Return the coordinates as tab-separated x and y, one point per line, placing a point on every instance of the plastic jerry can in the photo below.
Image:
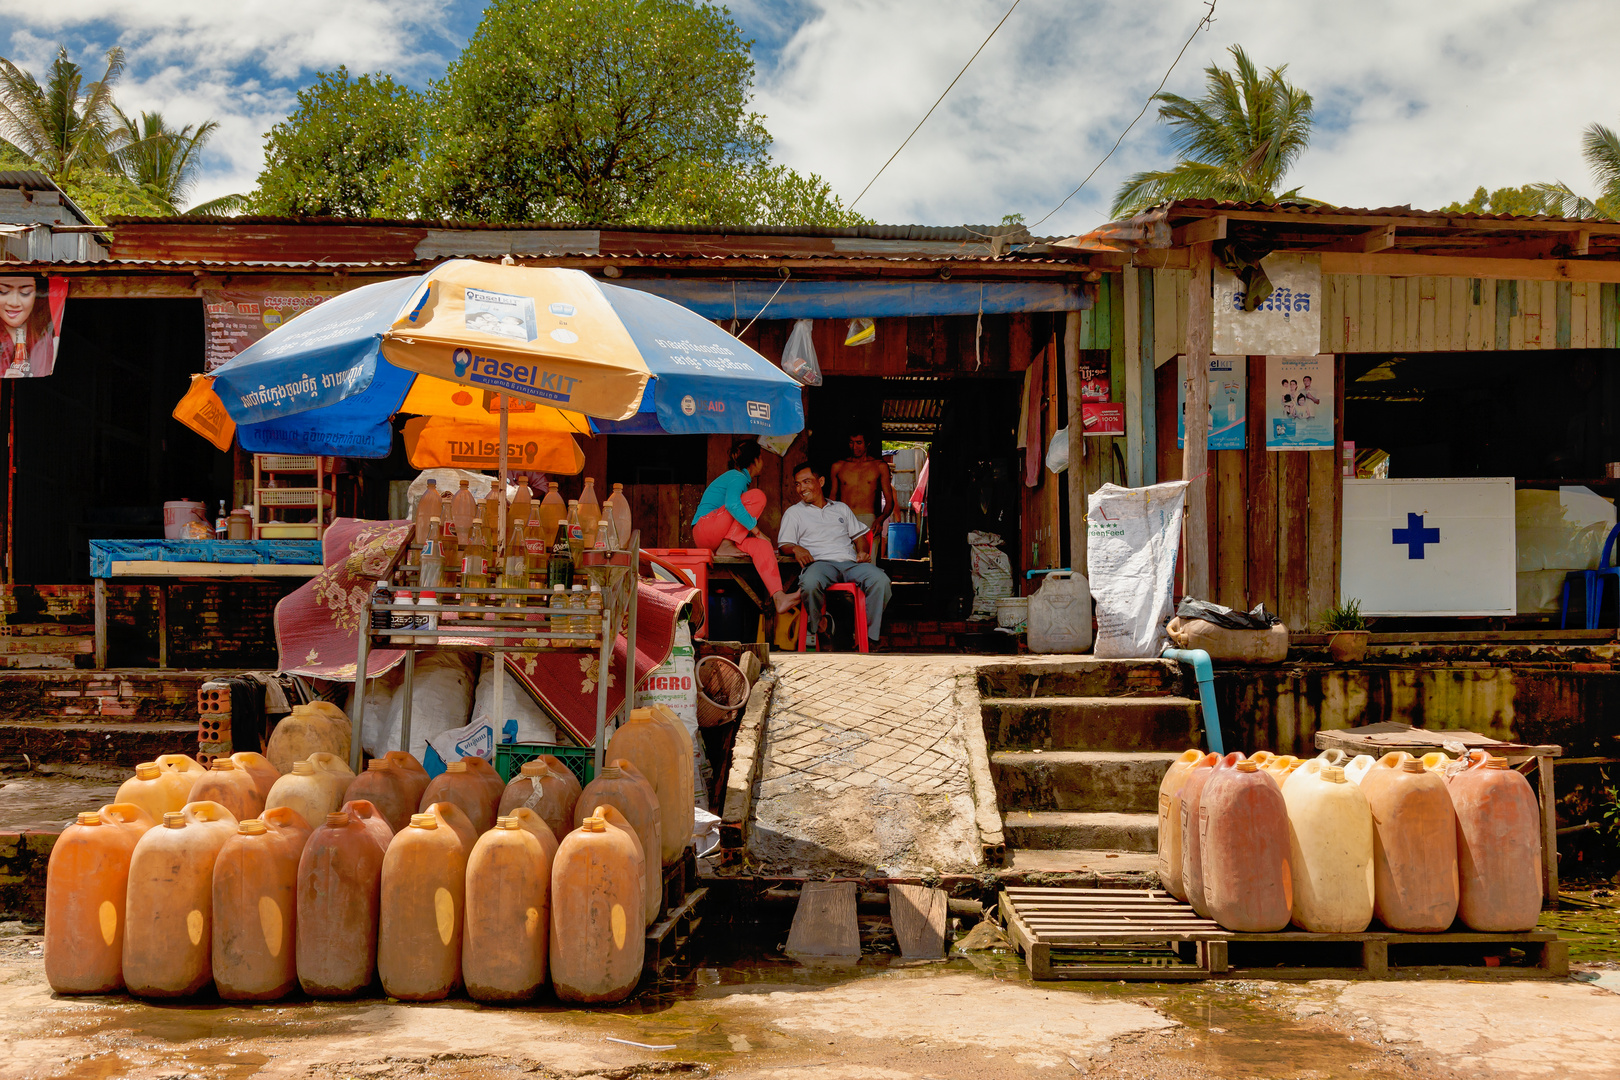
1498	847
233	788
649	745
456	820
1414	845
319	726
1187	799
541	786
168	936
1330	846
419	920
460	785
258	766
155	791
180	773
1243	840
86	886
1170	822
1060	614
310	796
255	907
417	777
631	795
506	940
387	787
597	941
371	820
339	891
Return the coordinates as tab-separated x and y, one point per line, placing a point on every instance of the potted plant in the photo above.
1347	632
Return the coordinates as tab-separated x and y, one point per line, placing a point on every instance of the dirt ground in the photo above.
771	1018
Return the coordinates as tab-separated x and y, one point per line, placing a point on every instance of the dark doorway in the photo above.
97	450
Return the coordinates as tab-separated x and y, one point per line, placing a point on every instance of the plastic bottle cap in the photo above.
456	766
89	817
534	768
303	768
223	764
594	824
174	819
377	764
1412	764
1247	766
148	770
1494	762
424	821
611	772
506	823
1334	775
251	827
337	818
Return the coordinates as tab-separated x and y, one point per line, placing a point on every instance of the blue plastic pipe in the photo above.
1204	672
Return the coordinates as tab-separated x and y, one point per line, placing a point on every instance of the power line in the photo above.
935	105
1209	17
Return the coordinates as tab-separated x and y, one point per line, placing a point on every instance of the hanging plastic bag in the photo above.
1057	452
799	357
861	332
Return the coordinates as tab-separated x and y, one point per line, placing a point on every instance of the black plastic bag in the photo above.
1258	619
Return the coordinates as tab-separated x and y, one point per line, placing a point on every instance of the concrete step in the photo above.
1133	724
1079	779
107	744
1083	678
1067	829
118	696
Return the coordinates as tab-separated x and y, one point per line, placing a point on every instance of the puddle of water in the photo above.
1591	925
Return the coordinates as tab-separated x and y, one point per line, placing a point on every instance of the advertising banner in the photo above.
233	319
31	316
1228	402
1299	402
1103	418
1288	322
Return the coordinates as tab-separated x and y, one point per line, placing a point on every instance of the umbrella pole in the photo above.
499	657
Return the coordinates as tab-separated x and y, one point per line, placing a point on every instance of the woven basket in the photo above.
722	691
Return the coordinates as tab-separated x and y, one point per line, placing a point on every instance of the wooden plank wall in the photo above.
1371	314
1274	516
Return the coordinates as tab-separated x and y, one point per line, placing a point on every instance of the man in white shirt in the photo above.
831	546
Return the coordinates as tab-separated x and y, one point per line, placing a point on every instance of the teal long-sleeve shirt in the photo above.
726	491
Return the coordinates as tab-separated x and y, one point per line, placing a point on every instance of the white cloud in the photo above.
1419	102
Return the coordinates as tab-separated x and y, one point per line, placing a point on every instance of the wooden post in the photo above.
1135	413
1077	447
101	623
1195	459
1549	833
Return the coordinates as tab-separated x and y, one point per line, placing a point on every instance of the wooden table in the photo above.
164	572
1380	739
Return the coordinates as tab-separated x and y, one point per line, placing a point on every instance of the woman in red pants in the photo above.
730	509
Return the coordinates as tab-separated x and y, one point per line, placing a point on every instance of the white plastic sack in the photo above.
1132	535
442	700
527	718
1057	452
705	832
379	702
449	480
799	356
992	573
674	685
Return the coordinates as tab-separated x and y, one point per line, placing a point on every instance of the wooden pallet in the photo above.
1148	934
1108	934
670	934
680	878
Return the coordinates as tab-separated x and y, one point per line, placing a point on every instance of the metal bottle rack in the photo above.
482	628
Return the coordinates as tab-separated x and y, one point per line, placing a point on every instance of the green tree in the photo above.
759	194
65	125
352	148
1600	146
1236	142
162	161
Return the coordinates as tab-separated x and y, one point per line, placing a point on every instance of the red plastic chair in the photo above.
858	595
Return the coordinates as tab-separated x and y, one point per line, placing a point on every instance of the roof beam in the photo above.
1393	265
1405	221
1202	231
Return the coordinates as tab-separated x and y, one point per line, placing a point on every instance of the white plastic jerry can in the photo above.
1060	614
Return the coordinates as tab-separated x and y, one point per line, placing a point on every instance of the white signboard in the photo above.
1287	323
1430	547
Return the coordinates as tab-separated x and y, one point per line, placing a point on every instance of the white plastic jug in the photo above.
1060	614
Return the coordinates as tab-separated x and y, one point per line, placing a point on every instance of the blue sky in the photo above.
1417	102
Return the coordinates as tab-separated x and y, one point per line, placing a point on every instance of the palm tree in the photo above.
1236	142
1600	146
64	125
163	160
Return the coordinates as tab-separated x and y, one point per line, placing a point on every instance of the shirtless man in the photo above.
857	481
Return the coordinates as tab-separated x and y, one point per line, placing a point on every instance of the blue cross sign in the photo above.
1414	536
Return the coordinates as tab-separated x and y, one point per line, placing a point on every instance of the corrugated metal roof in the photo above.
317	264
1306	209
28	179
1017	234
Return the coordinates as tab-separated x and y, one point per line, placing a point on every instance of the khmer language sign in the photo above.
233	319
1288	322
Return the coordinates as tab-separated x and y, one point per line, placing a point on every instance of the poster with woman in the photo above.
1299	402
31	316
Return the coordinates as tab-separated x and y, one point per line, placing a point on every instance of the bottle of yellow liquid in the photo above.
590	511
